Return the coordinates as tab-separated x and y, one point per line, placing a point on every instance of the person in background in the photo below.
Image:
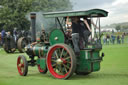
3	34
9	36
113	39
122	39
127	40
104	39
10	41
108	39
118	39
0	39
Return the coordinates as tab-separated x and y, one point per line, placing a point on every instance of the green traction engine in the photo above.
57	54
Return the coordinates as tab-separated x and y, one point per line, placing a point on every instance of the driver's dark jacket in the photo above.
79	27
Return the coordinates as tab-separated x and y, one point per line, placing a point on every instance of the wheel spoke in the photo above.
60	68
54	65
54	61
22	65
22	69
19	65
56	55
67	58
61	53
65	68
65	54
21	62
68	62
55	68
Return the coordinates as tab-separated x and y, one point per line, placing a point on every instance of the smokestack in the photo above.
33	25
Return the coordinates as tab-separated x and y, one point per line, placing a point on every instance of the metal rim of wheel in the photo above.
61	61
21	44
22	65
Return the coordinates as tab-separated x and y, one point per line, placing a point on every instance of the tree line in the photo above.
119	26
13	12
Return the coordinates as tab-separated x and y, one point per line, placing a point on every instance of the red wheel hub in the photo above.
64	60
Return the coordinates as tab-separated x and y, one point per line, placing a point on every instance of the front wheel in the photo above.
61	61
22	65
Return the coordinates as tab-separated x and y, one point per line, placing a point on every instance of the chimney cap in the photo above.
33	13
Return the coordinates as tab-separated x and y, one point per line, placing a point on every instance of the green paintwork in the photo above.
41	62
96	56
36	51
40	51
88	61
56	34
83	64
96	66
88	13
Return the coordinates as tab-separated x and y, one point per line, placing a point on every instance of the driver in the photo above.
80	32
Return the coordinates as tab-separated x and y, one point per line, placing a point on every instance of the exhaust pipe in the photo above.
33	25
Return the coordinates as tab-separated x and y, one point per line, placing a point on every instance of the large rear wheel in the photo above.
22	65
61	61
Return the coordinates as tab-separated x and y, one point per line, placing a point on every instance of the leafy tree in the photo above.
13	12
125	26
52	5
118	27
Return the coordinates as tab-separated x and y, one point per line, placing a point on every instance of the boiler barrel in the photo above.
36	50
40	51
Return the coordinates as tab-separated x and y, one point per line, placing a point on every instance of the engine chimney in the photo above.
33	25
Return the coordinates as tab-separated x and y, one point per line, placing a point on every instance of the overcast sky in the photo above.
118	9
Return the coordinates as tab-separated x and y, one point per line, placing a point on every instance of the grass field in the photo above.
114	71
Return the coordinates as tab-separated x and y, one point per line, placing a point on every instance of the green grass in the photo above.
114	71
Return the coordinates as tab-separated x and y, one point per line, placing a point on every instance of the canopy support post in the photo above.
99	32
60	25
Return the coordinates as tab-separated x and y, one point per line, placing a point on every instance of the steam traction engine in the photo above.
57	56
10	44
